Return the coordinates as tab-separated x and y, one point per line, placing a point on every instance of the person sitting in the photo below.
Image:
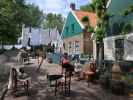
66	66
77	68
88	71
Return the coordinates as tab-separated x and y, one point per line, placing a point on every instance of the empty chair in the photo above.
65	83
19	82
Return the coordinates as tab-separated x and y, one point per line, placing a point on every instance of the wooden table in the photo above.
54	77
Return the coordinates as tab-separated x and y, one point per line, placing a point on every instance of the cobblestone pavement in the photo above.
79	89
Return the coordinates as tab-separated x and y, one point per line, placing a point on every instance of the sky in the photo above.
57	6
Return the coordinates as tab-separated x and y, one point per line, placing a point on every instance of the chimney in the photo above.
72	6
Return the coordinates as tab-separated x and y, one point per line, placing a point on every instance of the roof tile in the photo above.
91	16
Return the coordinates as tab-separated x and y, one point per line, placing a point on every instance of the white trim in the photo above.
64	25
109	2
93	34
82	26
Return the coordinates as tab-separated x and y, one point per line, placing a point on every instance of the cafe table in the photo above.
54	78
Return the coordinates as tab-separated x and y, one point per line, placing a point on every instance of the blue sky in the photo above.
57	6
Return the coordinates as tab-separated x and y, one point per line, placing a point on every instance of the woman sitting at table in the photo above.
66	66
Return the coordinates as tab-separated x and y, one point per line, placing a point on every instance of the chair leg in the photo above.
56	87
26	86
69	89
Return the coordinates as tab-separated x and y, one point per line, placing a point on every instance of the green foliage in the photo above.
89	7
102	19
53	20
127	11
85	19
99	34
14	13
127	28
98	6
90	29
33	16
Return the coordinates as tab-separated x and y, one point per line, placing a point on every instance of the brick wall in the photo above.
72	40
86	45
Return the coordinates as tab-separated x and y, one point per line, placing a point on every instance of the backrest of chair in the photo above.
92	66
14	75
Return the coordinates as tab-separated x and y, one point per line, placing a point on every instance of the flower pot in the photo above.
116	72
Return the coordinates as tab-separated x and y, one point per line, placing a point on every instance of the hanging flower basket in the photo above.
85	20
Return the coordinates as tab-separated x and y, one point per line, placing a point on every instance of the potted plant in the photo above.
85	20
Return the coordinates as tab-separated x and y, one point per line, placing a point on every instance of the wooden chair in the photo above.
65	83
25	57
19	83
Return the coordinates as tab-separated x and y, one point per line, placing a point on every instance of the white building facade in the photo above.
119	47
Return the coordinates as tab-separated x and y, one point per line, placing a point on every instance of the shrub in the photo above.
85	19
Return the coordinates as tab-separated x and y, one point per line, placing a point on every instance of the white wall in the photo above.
128	45
109	47
25	36
94	49
40	36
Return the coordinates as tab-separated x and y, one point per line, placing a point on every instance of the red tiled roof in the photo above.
91	16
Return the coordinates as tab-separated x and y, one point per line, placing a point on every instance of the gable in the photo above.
71	27
116	7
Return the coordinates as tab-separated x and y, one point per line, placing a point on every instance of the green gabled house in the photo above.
75	36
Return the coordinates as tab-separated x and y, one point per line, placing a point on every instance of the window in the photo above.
72	28
119	49
77	47
70	45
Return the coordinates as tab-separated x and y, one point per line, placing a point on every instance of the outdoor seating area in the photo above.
66	49
25	81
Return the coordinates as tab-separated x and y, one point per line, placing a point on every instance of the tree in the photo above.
102	24
53	20
8	26
100	8
128	11
33	16
14	13
89	7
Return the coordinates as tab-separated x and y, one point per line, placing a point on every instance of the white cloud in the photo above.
57	6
